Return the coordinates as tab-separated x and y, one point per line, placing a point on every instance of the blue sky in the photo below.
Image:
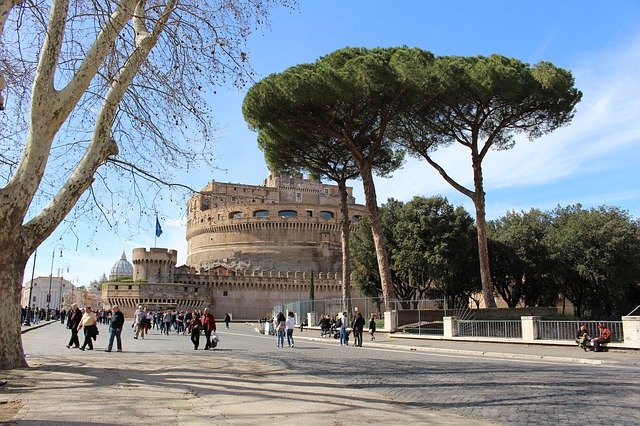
594	161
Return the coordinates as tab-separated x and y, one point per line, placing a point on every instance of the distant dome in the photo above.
122	268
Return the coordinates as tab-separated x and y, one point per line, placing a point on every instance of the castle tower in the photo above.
155	265
288	223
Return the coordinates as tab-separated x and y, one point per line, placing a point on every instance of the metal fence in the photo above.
568	330
508	329
367	306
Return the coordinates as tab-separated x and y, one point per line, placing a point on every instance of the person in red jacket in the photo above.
208	325
605	337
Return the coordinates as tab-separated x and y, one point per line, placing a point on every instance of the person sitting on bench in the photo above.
583	338
605	337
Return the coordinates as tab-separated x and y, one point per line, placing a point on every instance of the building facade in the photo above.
57	287
250	247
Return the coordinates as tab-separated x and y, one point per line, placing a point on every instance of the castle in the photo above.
250	248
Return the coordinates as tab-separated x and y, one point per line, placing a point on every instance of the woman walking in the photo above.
289	325
280	326
372	327
88	322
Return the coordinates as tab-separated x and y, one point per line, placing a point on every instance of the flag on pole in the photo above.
158	227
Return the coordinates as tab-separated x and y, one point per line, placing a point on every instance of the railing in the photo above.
568	330
509	329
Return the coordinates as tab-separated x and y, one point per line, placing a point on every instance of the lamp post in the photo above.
73	287
66	265
53	255
27	320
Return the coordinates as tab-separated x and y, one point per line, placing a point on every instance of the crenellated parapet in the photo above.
155	265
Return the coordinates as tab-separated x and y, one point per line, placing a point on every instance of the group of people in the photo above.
338	327
196	322
284	326
87	321
583	339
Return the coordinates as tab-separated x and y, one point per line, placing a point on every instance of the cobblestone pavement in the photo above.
247	380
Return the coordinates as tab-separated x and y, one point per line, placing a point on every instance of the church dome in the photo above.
122	268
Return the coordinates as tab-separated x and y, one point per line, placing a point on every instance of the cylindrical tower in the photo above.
289	223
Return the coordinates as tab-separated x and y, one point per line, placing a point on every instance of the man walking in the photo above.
115	328
140	317
72	323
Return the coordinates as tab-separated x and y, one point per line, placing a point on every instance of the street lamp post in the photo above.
53	255
27	320
66	265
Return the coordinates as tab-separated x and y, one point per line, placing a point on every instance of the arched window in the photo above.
261	213
356	218
236	215
288	213
326	215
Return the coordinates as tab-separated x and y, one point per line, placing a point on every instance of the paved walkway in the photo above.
71	387
521	351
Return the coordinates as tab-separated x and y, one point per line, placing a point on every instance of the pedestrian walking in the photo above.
358	328
75	315
289	325
195	326
115	329
280	327
89	324
166	320
372	327
208	325
140	319
344	337
227	320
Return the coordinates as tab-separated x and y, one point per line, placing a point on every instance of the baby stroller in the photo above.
336	334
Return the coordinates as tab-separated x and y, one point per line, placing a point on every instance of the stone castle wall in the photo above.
244	294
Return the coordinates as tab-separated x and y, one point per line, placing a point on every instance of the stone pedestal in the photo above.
529	328
450	329
631	330
312	319
391	321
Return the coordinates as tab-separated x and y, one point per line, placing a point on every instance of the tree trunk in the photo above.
12	264
481	227
345	221
378	237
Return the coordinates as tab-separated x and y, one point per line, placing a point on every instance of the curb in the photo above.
39	325
471	353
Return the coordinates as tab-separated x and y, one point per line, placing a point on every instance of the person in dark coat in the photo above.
358	327
115	328
372	327
195	326
227	320
73	320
